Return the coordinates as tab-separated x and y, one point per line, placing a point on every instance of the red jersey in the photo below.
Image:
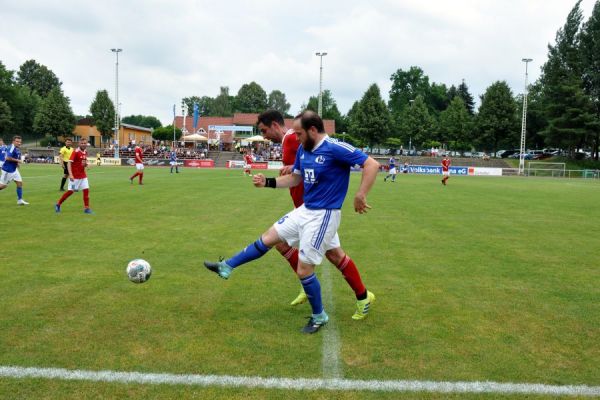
78	163
139	155
289	147
445	164
248	159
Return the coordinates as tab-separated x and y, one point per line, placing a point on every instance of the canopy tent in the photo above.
194	138
256	138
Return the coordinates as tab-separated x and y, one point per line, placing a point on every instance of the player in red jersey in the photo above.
272	126
139	164
77	177
248	163
445	170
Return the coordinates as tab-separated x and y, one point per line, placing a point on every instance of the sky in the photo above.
179	49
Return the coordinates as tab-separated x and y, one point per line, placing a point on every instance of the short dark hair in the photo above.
309	119
17	137
268	117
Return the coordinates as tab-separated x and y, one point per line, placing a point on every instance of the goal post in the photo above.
541	168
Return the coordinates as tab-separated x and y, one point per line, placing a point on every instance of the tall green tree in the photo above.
590	51
277	101
5	119
455	125
467	98
329	109
37	77
417	125
21	100
146	121
223	104
166	133
251	98
437	98
55	117
569	110
497	122
103	114
406	86
371	121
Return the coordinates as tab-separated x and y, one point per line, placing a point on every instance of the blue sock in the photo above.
252	252
312	288
19	193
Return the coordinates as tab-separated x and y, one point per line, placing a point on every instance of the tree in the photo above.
372	120
146	121
5	118
37	77
223	103
251	98
406	86
329	109
103	114
467	98
569	110
497	122
455	125
437	98
21	100
277	101
55	117
416	124
590	51
166	133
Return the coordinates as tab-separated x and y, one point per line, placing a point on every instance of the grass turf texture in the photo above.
485	279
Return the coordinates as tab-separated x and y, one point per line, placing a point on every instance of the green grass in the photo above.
486	279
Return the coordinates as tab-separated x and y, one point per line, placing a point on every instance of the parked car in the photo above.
508	153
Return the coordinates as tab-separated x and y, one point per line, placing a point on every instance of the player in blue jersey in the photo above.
3	149
10	169
323	165
173	160
391	170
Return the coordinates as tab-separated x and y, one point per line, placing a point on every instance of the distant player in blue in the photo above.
391	170
3	149
323	166
173	160
10	169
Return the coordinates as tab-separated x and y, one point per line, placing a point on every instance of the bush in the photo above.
49	141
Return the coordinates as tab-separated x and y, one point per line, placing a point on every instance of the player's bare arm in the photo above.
286	170
369	174
71	177
285	181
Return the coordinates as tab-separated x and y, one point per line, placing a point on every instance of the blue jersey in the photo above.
173	156
3	150
326	172
392	163
14	152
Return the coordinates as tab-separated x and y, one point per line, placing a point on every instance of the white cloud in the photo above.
173	50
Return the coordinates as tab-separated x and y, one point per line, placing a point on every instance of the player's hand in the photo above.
286	170
360	204
71	178
259	180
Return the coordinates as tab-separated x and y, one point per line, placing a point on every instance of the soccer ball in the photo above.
139	271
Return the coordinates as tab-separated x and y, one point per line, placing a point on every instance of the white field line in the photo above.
331	365
298	383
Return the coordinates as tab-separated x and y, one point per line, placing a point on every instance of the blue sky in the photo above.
174	50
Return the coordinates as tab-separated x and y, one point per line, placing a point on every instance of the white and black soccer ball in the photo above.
139	271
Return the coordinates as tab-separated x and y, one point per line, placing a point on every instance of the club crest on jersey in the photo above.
320	160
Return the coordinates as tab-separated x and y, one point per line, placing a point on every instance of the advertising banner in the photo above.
436	170
110	161
259	165
199	163
483	171
235	164
275	165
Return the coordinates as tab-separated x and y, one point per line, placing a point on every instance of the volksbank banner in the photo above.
436	170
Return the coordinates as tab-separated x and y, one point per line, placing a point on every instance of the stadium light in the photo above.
524	121
117	116
321	55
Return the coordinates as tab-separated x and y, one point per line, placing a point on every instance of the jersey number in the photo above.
309	175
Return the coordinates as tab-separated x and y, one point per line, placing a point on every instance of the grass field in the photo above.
487	279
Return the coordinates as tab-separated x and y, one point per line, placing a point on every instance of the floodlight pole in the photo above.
524	121
321	55
117	116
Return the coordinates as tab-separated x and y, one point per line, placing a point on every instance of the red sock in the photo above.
350	272
141	176
65	196
291	255
86	198
134	175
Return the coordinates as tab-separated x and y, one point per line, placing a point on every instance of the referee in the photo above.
64	156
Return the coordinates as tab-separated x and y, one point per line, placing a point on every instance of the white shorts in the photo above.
446	173
393	171
78	184
7	177
247	166
313	232
173	163
139	167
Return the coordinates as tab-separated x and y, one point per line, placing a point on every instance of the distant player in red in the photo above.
272	126
445	170
77	177
248	163
139	164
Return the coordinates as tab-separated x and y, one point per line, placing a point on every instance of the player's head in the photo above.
17	140
68	142
83	143
308	127
271	124
1	141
